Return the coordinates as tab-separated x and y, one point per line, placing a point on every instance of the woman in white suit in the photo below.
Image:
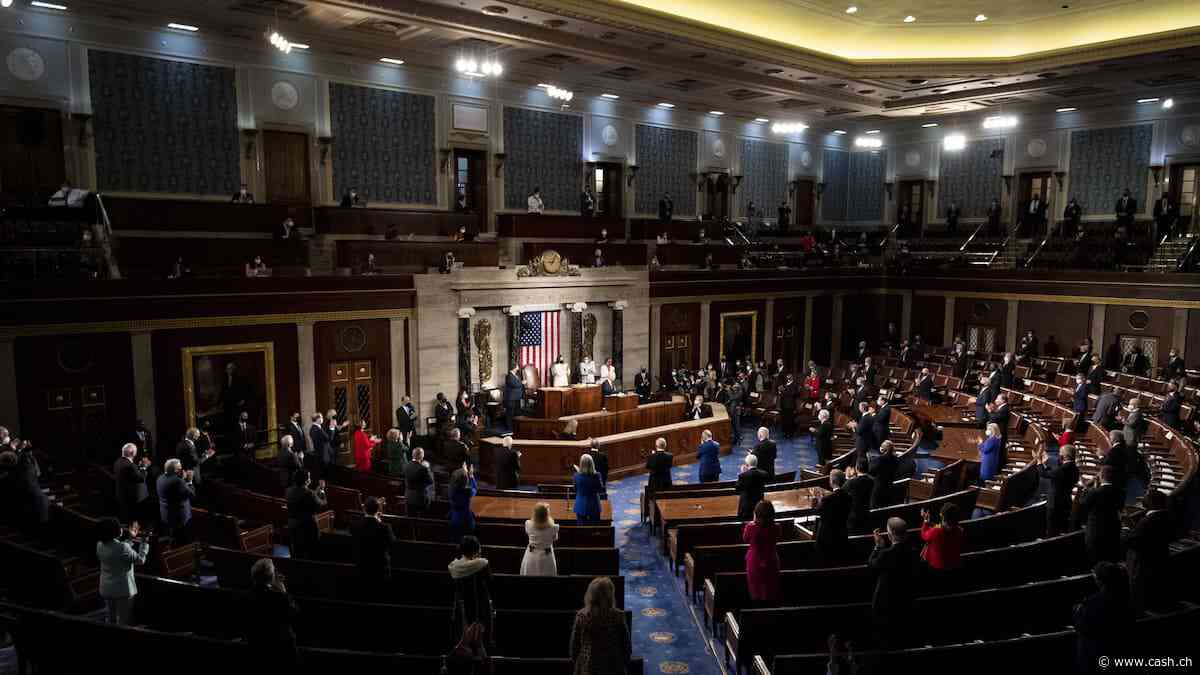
117	557
560	373
539	555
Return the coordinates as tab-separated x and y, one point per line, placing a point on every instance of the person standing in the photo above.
471	577
418	484
539	555
131	483
860	486
989	454
321	444
118	551
1099	509
1148	549
1126	209
587	204
373	541
666	209
303	504
508	465
1104	621
785	217
952	218
462	489
406	419
884	470
750	488
762	558
514	393
1165	216
175	494
766	452
833	513
1072	217
271	614
363	444
658	464
560	373
944	541
993	218
600	643
894	562
1063	480
587	491
534	202
709	456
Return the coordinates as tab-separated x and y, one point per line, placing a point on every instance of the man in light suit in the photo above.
319	441
823	436
1135	424
130	476
514	393
291	460
1126	209
1176	367
117	554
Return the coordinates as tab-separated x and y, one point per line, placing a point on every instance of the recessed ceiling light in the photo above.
1148	100
954	142
981	17
48	5
1066	110
612	96
1000	122
873	131
761	120
6	3
394	62
840	132
183	26
788	127
852	9
861	142
718	113
668	106
929	125
299	45
910	18
1169	103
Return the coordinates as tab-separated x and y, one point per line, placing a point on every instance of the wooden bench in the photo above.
219	529
495	533
232	500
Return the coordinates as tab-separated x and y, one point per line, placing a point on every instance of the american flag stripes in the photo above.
538	339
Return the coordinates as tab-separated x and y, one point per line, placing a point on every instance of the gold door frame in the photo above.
267	349
753	314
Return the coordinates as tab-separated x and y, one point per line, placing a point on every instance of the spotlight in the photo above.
864	142
788	127
1168	104
954	142
1000	122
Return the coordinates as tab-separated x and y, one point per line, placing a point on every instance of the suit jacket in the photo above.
952	216
881	423
861	487
406	416
289	464
298	436
117	559
1106	410
417	479
1171	410
1176	368
1095	378
373	543
766	453
694	413
896	570
709	456
884	470
925	388
824	441
1063	479
1135	426
247	436
1001	416
514	389
1099	510
981	401
185	452
641	384
833	514
131	484
1135	363
601	460
1148	544
607	388
864	435
1079	403
907	357
658	464
1125	212
666	209
1029	214
322	448
174	500
508	468
1008	375
1118	458
750	487
1164	212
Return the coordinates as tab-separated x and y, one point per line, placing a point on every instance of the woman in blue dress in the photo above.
989	453
587	491
462	489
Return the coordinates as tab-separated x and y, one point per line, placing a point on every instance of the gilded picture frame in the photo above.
206	392
733	334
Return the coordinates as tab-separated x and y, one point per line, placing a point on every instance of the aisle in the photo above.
667	629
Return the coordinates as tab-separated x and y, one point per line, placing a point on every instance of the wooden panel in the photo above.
559	227
603	423
989	312
787	335
677	230
154	257
1116	323
1068	322
357	344
285	167
866	317
929	318
694	254
175	215
822	330
679	319
1192	350
411	256
584	254
31	154
334	220
803	216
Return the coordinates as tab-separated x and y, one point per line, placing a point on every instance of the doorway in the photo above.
471	184
677	349
1034	183
717	197
1185	184
608	187
910	208
32	167
285	167
805	203
352	391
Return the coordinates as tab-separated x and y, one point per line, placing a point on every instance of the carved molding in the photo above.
483	345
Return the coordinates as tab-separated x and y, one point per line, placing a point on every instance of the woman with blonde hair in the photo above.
600	642
587	491
989	453
539	555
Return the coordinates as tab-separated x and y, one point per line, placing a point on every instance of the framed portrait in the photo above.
739	336
220	382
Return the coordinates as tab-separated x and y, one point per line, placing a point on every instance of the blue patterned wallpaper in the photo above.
835	171
163	126
383	144
665	158
970	178
765	167
1106	161
545	150
865	185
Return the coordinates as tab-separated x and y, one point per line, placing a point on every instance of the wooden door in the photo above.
677	352
911	194
1034	183
718	198
981	338
285	166
471	184
789	342
608	186
31	154
1184	189
805	203
352	392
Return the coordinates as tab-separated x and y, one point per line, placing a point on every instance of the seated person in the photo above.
352	199
603	238
598	261
662	239
242	196
74	197
701	237
464	234
257	268
447	265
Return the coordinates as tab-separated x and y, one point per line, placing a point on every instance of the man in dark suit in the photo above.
1063	479
320	443
1105	414
508	465
406	419
786	400
908	357
295	429
1119	456
666	209
418	483
1007	372
1079	402
698	410
1084	363
190	456
1172	406
143	439
236	395
1095	376
1135	424
833	513
1104	620
999	413
750	488
130	474
175	494
1072	216
1135	362
881	421
864	432
514	393
924	386
1165	216
862	392
1148	547
884	470
1176	368
766	452
993	217
823	436
658	465
373	541
870	372
1099	511
242	196
952	218
982	401
600	459
641	384
247	436
895	562
1033	215
1126	209
860	485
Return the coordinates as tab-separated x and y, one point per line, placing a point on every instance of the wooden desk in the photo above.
939	414
960	437
619	402
519	509
555	402
788	503
545	461
594	425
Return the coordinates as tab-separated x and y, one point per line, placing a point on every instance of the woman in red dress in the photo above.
762	560
812	384
362	448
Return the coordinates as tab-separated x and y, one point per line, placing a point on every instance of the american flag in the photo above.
538	340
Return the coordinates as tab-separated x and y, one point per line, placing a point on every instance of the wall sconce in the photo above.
325	143
888	186
445	153
251	135
1007	182
499	157
929	185
1156	170
737	180
1058	176
633	169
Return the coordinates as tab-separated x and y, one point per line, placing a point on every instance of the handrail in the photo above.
1037	250
971	238
1184	262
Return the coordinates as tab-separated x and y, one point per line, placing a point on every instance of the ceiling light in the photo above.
6	3
852	9
910	18
183	26
563	95
954	142
472	68
864	142
299	45
394	62
279	42
718	113
668	106
761	120
611	96
788	127
873	131
1000	122
1062	110
980	17
929	125
1148	100
1168	104
840	132
541	85
48	5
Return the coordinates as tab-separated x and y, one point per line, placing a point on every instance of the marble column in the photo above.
1179	335
808	326
514	330
464	348
948	323
307	369
1098	315
835	348
769	335
143	380
1010	332
655	340
8	387
399	361
618	339
705	327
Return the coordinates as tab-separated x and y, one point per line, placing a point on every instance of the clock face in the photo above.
26	64
551	262
284	95
609	135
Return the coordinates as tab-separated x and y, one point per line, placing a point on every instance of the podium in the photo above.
555	402
619	402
